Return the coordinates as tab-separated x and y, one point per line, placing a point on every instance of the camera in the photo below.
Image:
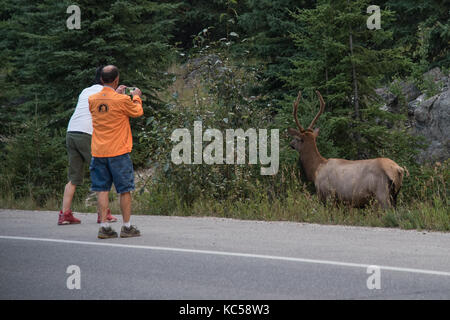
129	90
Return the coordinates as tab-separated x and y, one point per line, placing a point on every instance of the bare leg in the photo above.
69	191
125	206
102	204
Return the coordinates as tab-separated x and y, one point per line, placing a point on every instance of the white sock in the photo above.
105	224
127	224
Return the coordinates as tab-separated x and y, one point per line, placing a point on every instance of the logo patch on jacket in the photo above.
103	108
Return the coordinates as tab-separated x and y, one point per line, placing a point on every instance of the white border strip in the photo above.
233	254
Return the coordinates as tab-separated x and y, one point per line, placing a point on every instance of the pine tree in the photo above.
267	26
422	28
346	61
49	64
219	17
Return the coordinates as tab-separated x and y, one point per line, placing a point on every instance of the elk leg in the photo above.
322	197
393	195
383	197
394	200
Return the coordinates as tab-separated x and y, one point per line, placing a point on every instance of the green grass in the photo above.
422	203
304	207
298	206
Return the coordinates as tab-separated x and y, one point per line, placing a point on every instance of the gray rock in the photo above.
428	117
409	90
389	98
386	95
422	112
413	105
432	118
435	74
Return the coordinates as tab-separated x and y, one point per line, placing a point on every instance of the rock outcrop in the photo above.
429	116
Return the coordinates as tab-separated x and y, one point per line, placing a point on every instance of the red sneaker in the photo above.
67	218
109	217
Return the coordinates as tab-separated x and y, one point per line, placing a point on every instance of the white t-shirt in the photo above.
81	119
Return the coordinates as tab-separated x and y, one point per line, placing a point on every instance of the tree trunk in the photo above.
355	83
326	83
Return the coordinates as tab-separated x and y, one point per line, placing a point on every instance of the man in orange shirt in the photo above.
111	146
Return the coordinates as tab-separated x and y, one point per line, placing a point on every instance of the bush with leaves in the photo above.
35	164
222	101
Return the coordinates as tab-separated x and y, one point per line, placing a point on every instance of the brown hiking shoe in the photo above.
132	231
106	233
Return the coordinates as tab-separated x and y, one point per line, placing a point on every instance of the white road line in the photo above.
233	254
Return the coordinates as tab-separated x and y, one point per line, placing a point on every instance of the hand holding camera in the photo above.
121	89
132	91
136	91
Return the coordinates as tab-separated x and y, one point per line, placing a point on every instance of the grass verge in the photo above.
432	215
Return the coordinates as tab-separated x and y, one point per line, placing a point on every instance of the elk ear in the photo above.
293	132
316	132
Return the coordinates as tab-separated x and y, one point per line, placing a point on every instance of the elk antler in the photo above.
295	112
322	108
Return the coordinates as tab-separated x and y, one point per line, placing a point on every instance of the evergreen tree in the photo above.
48	64
422	29
219	17
267	26
346	61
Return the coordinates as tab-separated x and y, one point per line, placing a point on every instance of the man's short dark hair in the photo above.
98	75
109	74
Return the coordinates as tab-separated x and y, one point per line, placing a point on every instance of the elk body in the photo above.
353	182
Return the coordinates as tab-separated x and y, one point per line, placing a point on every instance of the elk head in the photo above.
304	141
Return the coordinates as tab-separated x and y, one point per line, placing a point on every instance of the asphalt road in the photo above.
213	258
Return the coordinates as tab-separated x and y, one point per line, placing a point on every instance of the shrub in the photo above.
34	164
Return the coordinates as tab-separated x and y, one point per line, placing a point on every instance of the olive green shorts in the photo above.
79	152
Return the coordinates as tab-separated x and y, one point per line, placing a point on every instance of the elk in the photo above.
356	182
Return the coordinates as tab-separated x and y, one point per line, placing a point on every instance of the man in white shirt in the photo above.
78	141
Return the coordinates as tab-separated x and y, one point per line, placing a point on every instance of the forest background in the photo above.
231	64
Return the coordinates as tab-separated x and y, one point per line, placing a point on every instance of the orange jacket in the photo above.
110	119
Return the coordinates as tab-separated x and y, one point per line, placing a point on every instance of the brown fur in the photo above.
353	182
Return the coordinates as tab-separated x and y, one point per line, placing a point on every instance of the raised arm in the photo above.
133	108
